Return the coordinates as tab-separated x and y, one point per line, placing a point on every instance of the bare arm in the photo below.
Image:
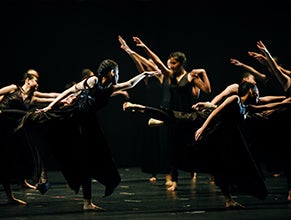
229	100
133	81
229	90
257	74
164	69
270	106
7	89
73	89
200	79
268	99
284	79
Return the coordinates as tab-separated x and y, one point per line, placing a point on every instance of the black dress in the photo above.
223	151
77	139
19	157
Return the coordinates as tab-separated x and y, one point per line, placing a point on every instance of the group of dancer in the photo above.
209	137
234	112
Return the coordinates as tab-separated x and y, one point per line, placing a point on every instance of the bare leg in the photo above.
10	197
28	185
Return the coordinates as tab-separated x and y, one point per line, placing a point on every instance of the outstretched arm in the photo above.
7	89
228	101
229	90
257	74
73	89
133	81
270	106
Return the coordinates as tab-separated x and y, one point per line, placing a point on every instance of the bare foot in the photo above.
194	177
14	201
211	179
92	207
153	179
168	180
231	204
173	187
289	196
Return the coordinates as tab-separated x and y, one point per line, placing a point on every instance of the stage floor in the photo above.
137	198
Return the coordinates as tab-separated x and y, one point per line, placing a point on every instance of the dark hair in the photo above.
244	88
85	73
180	56
29	76
247	74
105	67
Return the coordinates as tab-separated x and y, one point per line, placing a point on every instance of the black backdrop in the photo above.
59	38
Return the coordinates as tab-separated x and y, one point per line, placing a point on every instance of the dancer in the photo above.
155	139
230	175
184	89
25	162
86	154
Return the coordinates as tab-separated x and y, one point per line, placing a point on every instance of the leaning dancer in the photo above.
75	134
230	160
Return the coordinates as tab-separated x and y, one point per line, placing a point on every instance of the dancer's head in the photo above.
108	71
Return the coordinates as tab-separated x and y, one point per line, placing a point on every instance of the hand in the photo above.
198	134
152	73
261	46
123	45
138	42
43	110
259	57
235	62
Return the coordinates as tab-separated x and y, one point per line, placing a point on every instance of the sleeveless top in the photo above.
181	94
14	100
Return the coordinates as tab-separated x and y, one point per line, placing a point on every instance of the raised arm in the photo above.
200	79
139	60
164	69
284	79
262	77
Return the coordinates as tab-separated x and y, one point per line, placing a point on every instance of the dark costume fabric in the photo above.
154	140
77	139
181	99
16	147
222	152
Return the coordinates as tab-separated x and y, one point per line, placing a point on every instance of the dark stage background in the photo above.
59	38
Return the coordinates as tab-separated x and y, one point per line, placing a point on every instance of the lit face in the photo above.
173	64
114	75
255	94
33	83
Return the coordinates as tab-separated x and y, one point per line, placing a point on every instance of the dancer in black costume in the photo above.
76	136
230	160
24	156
